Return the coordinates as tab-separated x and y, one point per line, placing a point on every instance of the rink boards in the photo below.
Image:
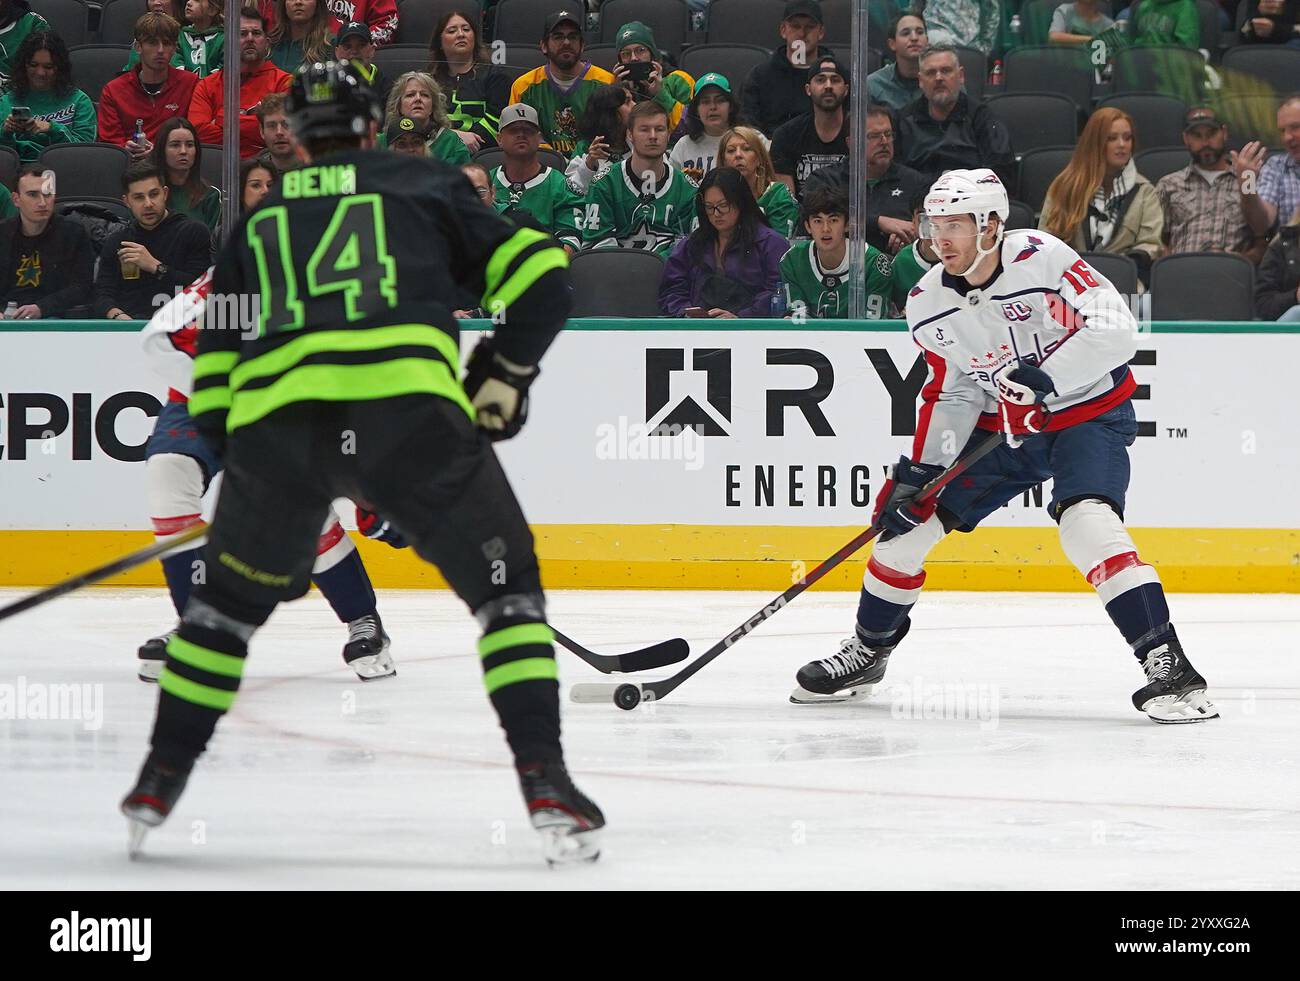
729	458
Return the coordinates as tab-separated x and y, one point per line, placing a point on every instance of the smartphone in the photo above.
22	113
696	312
639	71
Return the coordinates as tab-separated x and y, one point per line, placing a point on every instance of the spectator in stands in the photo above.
1203	202
1271	22
380	15
257	77
897	84
301	32
158	253
891	186
416	94
202	44
152	93
730	266
1078	22
642	203
713	110
16	21
177	154
913	261
776	92
603	128
1278	183
965	24
1099	202
523	181
46	260
273	126
481	180
818	138
559	90
639	56
816	273
1277	285
1165	22
742	148
256	178
408	135
476	89
354	45
53	109
945	129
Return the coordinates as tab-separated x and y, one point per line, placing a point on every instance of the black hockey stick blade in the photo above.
100	573
655	656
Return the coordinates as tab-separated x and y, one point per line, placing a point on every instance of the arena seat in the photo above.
117	21
521	21
670	20
84	170
616	283
1203	286
734	61
1021	216
1155	163
1119	269
416	19
9	166
95	65
524	57
1036	120
394	59
70	19
1162	69
745	22
1038	168
1050	68
1157	118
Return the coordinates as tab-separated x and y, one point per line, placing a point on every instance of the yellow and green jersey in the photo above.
559	105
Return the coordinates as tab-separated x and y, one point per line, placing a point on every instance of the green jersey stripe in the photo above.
192	691
524	277
529	669
516	636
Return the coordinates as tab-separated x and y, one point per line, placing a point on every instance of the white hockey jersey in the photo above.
1044	306
170	337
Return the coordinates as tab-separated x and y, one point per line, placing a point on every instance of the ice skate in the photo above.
848	675
568	822
147	805
152	656
1175	692
366	651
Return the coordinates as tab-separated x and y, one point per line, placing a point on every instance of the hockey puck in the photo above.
627	697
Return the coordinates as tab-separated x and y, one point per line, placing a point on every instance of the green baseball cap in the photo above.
712	78
635	32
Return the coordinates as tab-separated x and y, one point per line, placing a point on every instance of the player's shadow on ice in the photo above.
209	863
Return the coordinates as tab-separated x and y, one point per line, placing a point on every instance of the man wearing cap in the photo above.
635	44
380	16
355	45
1203	203
819	138
713	111
775	92
559	89
524	182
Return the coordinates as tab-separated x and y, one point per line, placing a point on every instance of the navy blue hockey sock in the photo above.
347	588
179	570
1142	616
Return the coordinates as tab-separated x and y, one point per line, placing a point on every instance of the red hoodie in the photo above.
207	112
379	15
124	100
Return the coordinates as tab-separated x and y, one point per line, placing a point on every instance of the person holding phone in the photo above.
603	128
640	68
42	106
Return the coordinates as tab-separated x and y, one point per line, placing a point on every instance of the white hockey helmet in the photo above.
979	193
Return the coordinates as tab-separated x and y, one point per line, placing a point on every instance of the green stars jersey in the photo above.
558	108
779	209
548	197
200	52
824	293
909	266
619	212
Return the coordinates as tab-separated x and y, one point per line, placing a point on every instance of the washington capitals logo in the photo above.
916	291
1029	249
990	179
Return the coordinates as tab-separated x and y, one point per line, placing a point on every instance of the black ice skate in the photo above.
366	651
153	656
155	794
847	675
1175	692
568	822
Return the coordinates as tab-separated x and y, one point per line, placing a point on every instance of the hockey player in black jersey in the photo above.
344	383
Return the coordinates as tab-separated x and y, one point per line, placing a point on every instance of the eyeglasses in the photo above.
718	210
884	135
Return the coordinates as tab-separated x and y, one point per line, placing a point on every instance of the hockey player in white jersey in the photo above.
179	466
1019	333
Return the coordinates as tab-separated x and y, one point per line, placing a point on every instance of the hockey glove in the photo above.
379	528
1020	401
896	506
498	390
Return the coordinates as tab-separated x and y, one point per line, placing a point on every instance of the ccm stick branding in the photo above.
102	934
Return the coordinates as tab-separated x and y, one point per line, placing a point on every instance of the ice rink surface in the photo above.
1001	752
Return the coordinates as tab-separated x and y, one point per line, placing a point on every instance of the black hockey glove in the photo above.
498	390
379	528
896	508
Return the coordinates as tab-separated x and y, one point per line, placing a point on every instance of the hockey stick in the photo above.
628	696
655	656
102	572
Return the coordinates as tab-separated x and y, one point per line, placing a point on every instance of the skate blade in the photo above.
1191	706
563	842
135	835
372	667
801	696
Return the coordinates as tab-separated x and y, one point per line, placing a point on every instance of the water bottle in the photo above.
1015	29
11	310
138	135
778	304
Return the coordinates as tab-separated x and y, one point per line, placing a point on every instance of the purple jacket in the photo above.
759	269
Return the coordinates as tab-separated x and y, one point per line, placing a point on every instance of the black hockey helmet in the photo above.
329	100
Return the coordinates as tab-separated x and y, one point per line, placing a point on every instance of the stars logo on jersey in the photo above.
1028	250
646	238
29	270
